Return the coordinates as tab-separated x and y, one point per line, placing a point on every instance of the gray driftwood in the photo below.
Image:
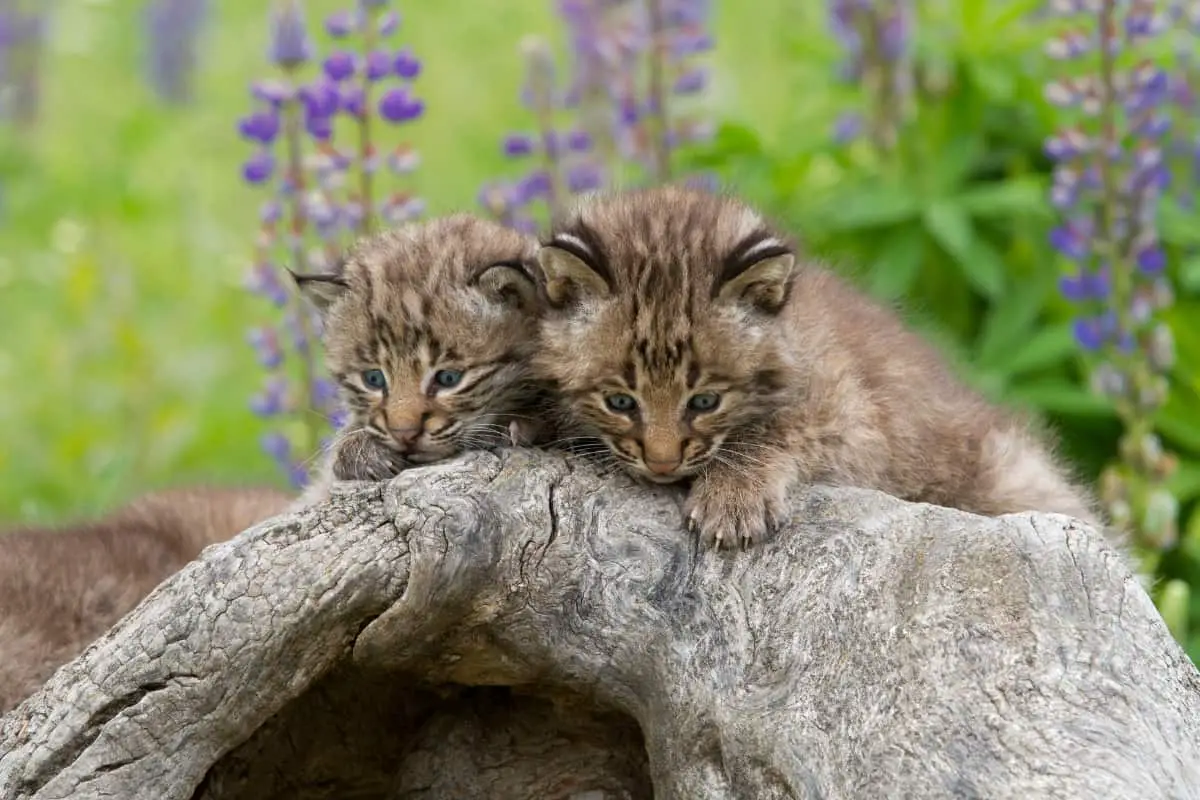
514	626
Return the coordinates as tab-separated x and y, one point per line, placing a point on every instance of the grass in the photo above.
126	228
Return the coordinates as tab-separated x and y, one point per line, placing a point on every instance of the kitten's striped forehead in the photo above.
412	287
665	252
683	233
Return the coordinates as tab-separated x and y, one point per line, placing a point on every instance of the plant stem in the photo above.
660	150
365	155
299	224
1110	140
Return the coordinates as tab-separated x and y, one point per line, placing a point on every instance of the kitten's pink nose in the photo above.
406	436
662	467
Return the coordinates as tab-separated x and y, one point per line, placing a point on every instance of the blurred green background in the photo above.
125	230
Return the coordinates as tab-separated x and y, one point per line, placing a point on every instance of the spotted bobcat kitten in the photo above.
62	587
685	334
428	331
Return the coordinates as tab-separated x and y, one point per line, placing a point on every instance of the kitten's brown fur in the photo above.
61	588
455	294
668	293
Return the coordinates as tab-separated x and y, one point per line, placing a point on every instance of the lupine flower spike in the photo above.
629	100
1109	177
322	193
22	42
173	29
877	37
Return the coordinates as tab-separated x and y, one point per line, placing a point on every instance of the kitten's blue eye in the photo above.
705	401
447	378
374	379
621	403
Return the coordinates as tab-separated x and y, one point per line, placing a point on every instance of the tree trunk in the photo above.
514	626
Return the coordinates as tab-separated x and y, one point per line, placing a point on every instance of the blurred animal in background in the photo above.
63	587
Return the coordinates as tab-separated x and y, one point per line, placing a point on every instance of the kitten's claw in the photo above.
728	514
523	433
363	457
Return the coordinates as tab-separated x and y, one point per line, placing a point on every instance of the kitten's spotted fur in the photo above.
664	297
445	311
61	588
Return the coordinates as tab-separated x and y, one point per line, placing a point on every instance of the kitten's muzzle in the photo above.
662	467
406	436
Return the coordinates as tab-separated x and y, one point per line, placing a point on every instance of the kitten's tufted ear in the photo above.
321	289
758	274
571	271
510	283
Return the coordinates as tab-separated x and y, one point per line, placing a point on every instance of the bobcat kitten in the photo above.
429	331
684	333
62	588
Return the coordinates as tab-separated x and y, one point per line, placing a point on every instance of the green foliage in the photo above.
953	228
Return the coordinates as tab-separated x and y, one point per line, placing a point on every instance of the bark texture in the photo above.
515	626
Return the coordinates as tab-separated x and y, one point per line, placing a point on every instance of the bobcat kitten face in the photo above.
429	330
658	338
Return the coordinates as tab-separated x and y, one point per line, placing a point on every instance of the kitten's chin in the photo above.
662	479
428	457
654	477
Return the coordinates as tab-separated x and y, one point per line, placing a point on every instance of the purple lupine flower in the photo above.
1110	175
323	192
173	28
602	123
265	342
340	66
261	126
406	65
341	24
22	40
518	144
876	36
259	167
290	44
379	65
397	105
388	24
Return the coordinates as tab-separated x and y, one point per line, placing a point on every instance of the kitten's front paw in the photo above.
362	457
732	513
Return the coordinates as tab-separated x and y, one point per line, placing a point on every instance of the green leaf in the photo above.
980	264
997	82
1012	11
1173	602
898	264
1046	348
955	160
1180	424
1184	483
869	206
950	227
1177	225
1013	197
1009	322
1060	397
733	139
1189	274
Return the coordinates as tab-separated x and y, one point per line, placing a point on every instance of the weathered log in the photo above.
514	625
